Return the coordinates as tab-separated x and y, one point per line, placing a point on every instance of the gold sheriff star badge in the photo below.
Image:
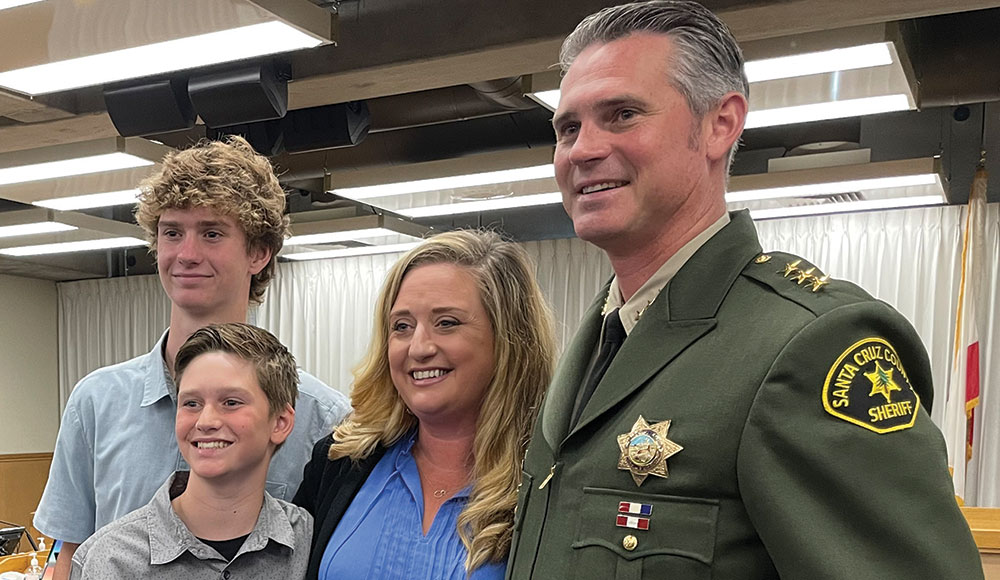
882	383
645	450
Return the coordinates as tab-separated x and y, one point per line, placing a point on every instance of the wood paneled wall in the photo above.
22	479
985	524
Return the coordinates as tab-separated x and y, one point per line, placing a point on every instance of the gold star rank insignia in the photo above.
645	449
882	382
803	276
790	268
818	283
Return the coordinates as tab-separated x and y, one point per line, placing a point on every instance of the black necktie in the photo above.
613	337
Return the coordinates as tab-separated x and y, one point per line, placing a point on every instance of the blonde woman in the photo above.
421	480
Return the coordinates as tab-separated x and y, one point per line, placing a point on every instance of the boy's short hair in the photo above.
229	178
273	364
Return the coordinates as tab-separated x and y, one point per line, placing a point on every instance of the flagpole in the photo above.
963	384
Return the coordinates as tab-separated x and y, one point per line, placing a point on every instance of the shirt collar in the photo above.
158	382
169	537
631	310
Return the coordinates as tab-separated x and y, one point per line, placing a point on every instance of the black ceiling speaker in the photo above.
327	127
340	125
239	96
265	137
147	109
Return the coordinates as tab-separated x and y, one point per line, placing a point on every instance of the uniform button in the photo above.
629	542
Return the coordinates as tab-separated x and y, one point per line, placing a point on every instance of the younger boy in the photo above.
236	393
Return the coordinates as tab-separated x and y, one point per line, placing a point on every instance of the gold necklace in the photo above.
443	491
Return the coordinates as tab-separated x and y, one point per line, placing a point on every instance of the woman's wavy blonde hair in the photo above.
524	351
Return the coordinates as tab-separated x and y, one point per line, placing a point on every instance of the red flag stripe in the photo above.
972	376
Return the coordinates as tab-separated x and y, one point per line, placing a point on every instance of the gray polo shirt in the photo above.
153	542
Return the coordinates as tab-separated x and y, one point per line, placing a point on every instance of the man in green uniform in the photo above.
722	413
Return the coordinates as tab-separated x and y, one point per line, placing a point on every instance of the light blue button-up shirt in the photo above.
116	445
381	533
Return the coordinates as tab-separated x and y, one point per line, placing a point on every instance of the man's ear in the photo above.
725	125
259	257
283	426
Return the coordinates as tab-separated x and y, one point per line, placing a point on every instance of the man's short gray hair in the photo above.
707	62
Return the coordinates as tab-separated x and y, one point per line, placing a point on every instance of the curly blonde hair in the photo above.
229	178
524	351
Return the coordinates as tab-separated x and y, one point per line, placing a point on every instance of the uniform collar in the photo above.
632	309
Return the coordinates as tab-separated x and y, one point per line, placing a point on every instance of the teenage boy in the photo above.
236	390
214	217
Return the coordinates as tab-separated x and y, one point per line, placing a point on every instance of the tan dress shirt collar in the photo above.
631	310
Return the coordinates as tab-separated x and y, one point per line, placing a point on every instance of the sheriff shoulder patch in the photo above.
868	386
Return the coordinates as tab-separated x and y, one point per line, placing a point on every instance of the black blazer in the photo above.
327	488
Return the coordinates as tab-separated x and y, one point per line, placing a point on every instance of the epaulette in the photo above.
802	282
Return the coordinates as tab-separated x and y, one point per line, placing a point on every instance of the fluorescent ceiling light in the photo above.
107	199
548	99
839	188
845	207
343	236
832	84
832	188
337	226
66	247
483	205
839	59
796	65
345	252
161	57
73	192
113	155
817	111
454	182
827	110
77	166
35	228
5	4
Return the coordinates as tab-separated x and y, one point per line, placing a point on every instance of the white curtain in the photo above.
323	309
570	273
107	321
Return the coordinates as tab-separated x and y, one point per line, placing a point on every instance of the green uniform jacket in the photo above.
806	452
